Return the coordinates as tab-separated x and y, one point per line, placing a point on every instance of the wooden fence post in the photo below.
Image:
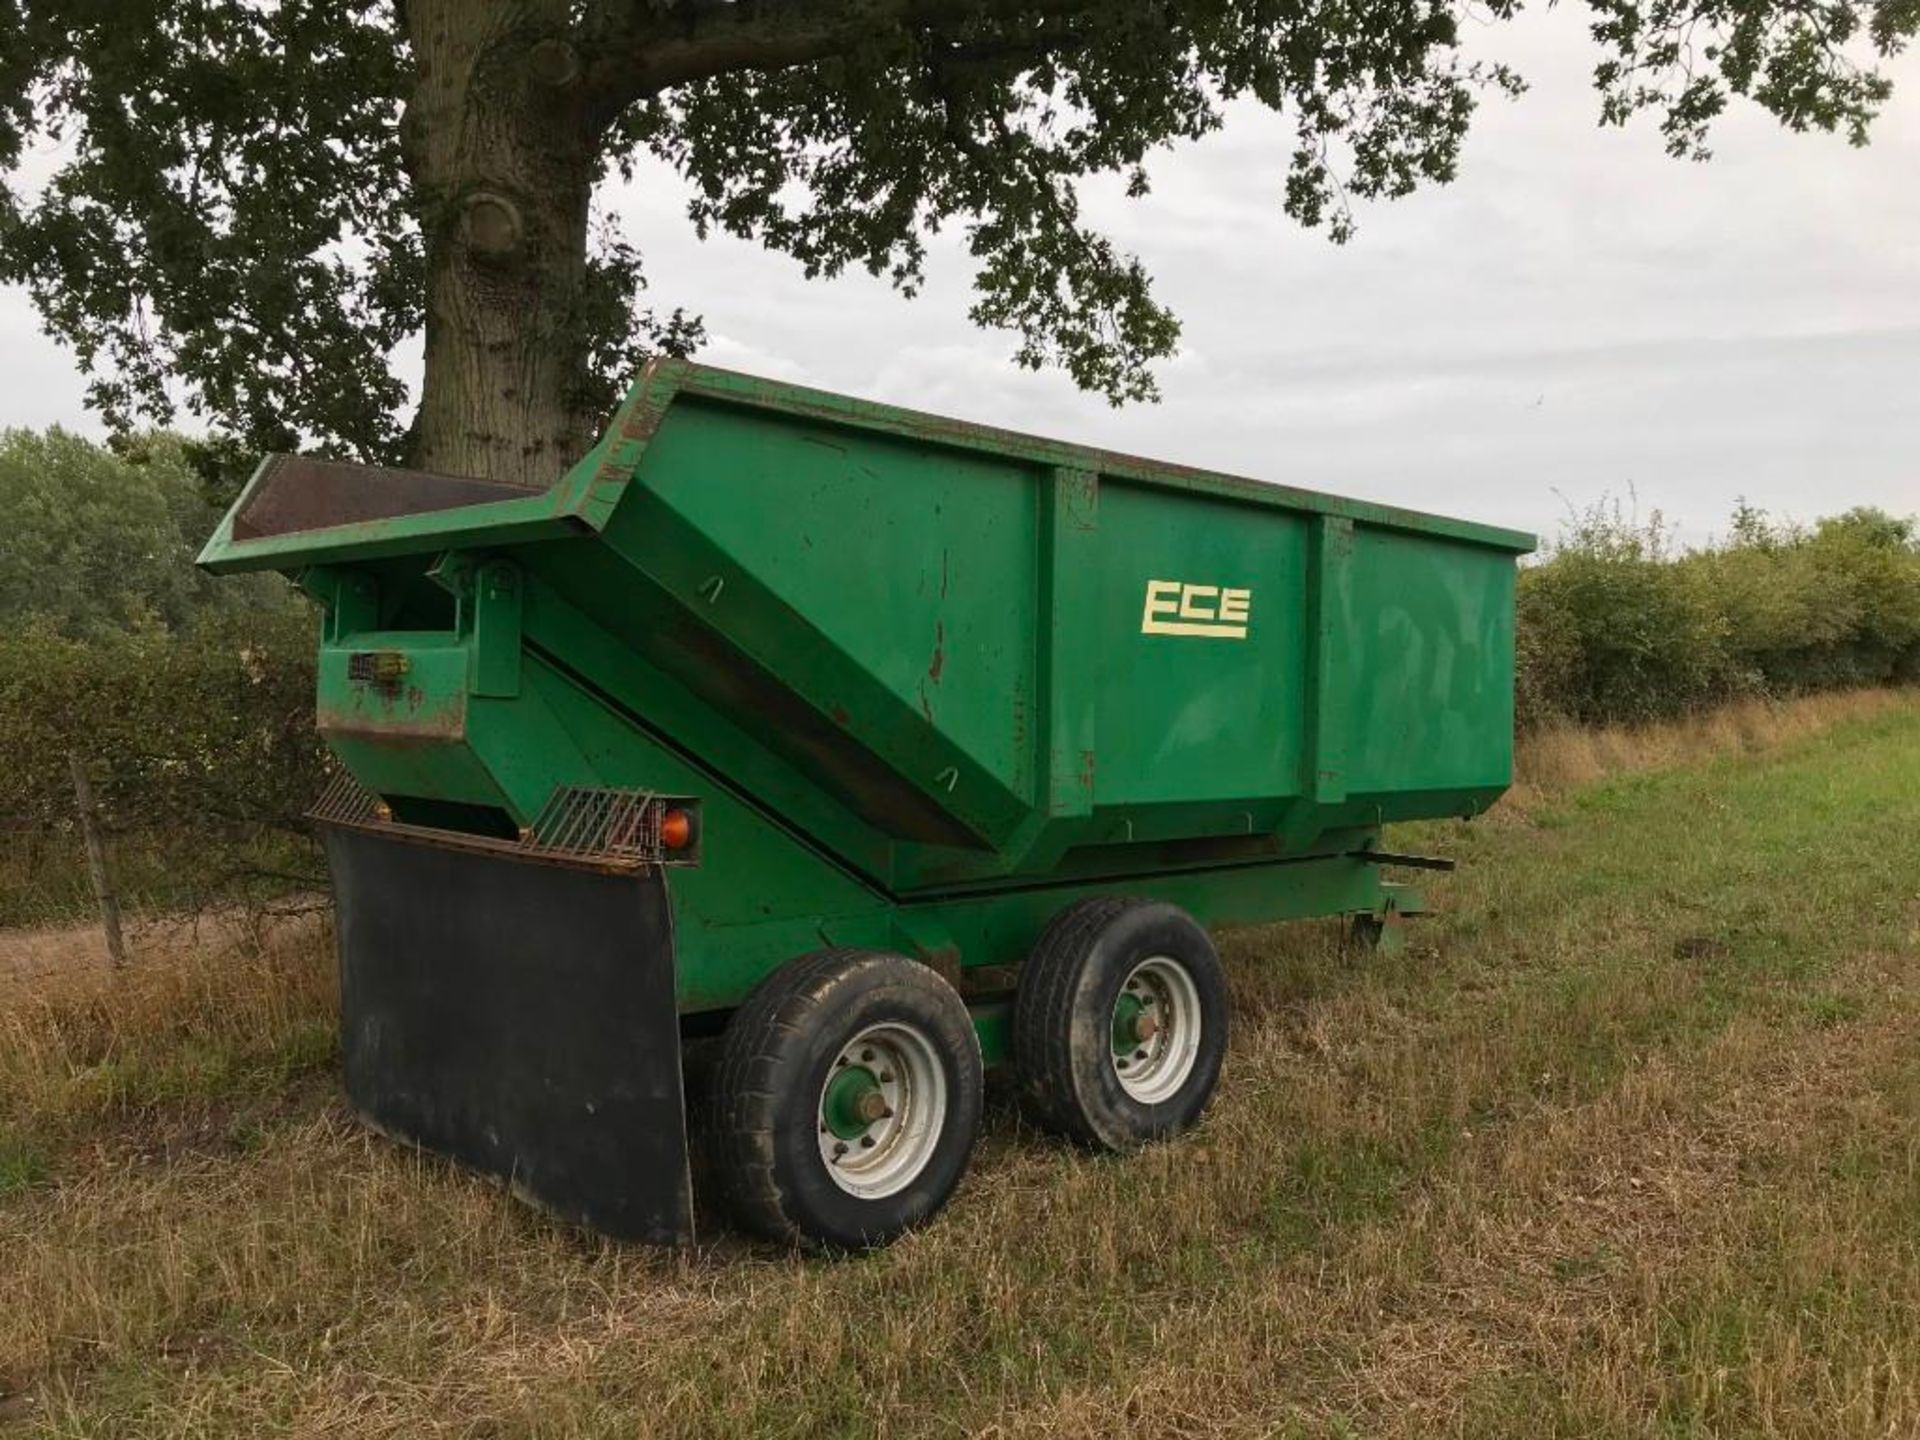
97	860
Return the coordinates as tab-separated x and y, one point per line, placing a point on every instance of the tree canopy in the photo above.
99	542
253	205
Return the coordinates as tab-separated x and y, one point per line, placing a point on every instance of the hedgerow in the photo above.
1616	625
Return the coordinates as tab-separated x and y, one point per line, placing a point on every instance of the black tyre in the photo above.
1120	1023
846	1100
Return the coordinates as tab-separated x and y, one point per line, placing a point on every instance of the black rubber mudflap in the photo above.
518	1016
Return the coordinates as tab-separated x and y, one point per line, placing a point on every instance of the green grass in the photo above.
22	1163
1627	1142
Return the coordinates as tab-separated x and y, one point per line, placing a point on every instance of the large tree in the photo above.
254	204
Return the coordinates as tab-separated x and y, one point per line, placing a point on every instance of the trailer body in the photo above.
908	684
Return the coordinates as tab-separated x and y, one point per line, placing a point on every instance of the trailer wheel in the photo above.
1120	1023
847	1099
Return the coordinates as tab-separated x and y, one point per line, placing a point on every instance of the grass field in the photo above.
1627	1143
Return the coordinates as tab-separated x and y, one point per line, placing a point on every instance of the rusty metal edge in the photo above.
486	845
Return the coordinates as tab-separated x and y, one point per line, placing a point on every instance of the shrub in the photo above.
1615	626
1617	629
200	744
101	541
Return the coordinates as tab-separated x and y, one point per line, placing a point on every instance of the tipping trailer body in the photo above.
918	683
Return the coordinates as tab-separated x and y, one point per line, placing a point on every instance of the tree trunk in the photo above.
503	155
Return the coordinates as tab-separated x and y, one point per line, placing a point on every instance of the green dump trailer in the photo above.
870	746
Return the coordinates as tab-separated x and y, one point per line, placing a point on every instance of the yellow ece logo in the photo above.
1177	608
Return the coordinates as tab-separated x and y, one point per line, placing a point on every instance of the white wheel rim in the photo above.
1154	1069
890	1151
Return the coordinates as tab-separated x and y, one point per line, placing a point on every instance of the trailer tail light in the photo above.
676	829
621	826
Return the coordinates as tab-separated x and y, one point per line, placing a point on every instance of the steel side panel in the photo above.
903	604
518	1017
1211	714
915	567
1426	678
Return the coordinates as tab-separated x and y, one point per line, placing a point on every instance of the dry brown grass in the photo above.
1604	1241
1628	1144
86	1052
36	959
1563	757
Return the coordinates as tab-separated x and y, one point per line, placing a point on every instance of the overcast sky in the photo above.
1577	315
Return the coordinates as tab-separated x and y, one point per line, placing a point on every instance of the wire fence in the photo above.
153	777
65	903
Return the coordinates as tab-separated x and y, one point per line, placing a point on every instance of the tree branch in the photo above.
647	51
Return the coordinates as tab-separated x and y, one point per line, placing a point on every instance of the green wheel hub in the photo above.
1127	1013
1156	1029
852	1102
883	1110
